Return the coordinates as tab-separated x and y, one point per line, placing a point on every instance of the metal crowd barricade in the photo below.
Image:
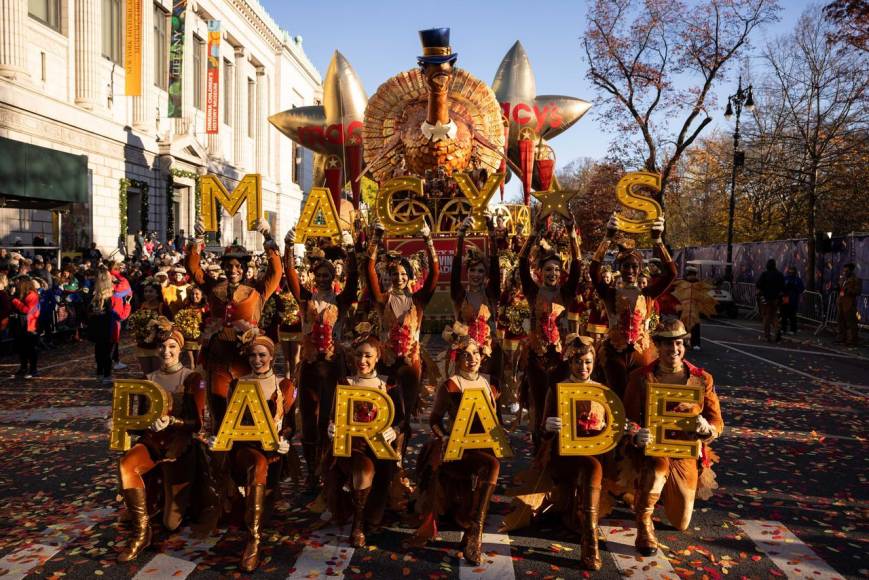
813	308
745	296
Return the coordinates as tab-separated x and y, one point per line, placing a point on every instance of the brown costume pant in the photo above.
618	365
676	480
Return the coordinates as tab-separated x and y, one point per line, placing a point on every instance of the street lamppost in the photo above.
735	102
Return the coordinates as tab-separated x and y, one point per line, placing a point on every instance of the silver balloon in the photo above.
337	123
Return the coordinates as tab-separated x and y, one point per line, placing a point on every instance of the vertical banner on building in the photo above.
212	83
133	49
176	58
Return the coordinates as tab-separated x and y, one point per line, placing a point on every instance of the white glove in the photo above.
658	228
199	227
553	424
467	224
283	446
161	423
389	435
346	238
425	231
704	429
643	437
209	442
330	430
263	227
513	408
290	238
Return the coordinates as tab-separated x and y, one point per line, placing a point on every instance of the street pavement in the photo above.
792	501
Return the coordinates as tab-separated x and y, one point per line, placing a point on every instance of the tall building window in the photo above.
113	30
297	165
198	72
161	48
228	93
45	11
251	107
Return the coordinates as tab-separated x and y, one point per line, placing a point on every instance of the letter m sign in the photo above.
213	193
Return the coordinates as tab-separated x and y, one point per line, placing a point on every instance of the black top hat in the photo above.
436	47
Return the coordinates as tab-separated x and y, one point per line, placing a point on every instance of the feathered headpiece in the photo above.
161	329
628	249
575	343
458	337
362	332
254	337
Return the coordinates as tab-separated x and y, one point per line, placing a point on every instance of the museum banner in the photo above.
176	59
133	49
212	83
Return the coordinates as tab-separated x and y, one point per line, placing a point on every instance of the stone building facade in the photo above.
62	88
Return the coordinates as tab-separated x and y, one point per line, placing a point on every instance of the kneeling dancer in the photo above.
679	481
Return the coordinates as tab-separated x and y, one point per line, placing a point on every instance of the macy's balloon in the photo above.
533	119
333	130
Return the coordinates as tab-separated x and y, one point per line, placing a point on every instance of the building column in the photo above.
262	91
87	52
145	105
239	121
13	60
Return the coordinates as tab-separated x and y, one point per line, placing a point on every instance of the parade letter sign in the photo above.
319	217
628	196
347	426
213	192
659	419
569	441
247	397
158	402
476	403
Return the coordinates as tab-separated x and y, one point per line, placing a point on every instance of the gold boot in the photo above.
590	555
357	535
137	506
646	543
253	518
473	538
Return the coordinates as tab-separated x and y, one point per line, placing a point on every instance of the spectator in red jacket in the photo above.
25	305
121	309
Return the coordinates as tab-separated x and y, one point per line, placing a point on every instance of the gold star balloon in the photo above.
333	129
533	119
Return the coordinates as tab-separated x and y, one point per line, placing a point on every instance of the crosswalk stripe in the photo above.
23	561
787	552
327	554
19	563
165	566
497	562
619	539
54	414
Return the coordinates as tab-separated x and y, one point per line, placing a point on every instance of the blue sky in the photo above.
380	39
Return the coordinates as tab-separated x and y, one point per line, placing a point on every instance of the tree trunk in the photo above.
813	181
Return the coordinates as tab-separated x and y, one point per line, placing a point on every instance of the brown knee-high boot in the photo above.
473	538
357	535
590	555
137	506
253	518
644	507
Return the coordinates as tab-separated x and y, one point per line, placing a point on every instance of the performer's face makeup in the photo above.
671	352
260	359
366	358
399	277
629	269
170	352
582	365
233	270
470	359
150	294
196	295
477	274
551	273
323	277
